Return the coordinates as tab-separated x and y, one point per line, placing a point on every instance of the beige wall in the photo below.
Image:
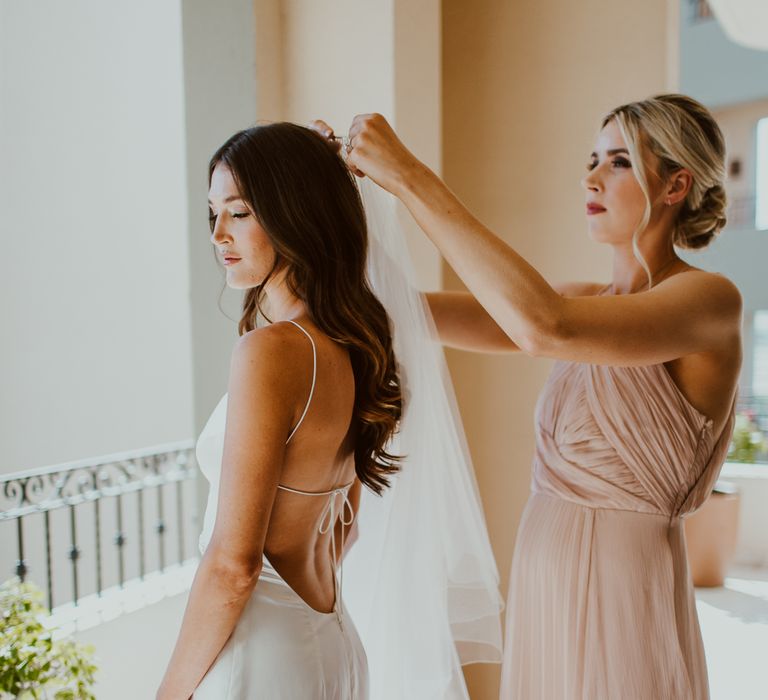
524	86
339	58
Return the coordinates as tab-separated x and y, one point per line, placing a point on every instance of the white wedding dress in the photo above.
281	648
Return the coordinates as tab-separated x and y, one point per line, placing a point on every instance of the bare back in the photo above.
318	459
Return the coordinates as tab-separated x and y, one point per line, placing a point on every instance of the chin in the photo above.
242	285
242	281
598	237
600	234
596	234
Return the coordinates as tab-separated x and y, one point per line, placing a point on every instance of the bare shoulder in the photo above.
579	289
267	354
711	291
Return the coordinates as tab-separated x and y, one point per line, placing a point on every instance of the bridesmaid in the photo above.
634	421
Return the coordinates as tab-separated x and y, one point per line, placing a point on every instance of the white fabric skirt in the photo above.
282	649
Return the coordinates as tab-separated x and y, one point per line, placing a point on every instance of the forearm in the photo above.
464	324
215	604
515	295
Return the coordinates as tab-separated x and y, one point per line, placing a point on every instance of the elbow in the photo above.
543	335
531	343
536	343
240	575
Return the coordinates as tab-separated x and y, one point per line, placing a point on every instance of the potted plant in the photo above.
32	663
711	534
748	441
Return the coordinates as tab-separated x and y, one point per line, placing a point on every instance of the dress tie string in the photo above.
337	509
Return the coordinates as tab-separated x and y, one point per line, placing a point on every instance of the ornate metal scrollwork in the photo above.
68	484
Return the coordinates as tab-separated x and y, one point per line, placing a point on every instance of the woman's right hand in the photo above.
376	150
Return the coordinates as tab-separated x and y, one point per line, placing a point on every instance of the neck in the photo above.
655	245
629	276
281	303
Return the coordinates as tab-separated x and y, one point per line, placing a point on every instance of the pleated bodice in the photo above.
624	438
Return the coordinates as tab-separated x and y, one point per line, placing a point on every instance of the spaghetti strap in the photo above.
314	378
604	289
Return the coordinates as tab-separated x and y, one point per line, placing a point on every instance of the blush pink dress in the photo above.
601	603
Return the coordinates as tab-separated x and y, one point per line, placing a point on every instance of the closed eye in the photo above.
235	215
616	162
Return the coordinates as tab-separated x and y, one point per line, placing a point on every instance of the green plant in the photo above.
748	441
32	663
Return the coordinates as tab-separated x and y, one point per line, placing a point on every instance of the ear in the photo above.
678	186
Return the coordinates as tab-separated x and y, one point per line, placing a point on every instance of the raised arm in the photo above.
695	312
462	322
689	313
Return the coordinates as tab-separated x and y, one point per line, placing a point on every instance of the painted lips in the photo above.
594	209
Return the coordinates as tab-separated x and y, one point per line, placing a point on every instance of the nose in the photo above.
219	233
591	181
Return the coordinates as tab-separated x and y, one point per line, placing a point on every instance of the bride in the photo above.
315	400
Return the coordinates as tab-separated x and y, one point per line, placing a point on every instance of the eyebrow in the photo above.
229	199
611	152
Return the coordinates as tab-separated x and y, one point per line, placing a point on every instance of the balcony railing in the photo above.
85	526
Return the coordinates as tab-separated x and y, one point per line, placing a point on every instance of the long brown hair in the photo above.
305	198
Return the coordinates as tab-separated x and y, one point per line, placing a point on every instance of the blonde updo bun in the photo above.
697	227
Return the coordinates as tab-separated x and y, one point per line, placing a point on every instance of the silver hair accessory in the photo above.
346	144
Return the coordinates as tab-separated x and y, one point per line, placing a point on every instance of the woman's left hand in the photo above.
375	150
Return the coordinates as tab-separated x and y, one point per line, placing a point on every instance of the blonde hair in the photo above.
681	133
